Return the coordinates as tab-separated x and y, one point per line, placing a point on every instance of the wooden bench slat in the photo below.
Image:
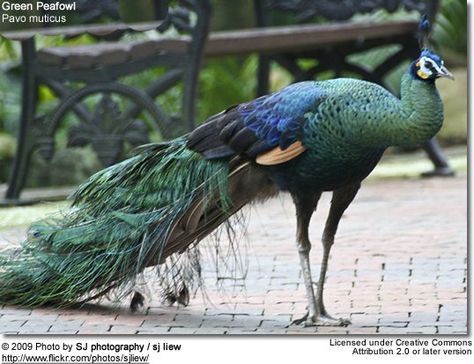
301	37
103	54
255	40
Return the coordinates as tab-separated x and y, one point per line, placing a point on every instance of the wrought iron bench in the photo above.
99	66
76	73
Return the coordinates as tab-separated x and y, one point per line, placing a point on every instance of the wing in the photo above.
267	129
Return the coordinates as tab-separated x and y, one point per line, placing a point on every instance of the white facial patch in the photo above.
426	67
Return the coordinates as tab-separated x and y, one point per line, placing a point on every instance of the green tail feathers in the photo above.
119	224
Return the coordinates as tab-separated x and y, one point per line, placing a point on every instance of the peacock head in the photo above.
429	66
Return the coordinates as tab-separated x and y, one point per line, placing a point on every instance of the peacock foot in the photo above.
321	320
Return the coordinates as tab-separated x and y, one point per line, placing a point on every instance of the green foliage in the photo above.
231	15
225	82
7	146
10	105
8	49
132	11
450	31
7	150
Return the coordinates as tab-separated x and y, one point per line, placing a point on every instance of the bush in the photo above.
450	32
7	151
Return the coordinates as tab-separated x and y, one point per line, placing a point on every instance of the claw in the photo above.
320	320
300	320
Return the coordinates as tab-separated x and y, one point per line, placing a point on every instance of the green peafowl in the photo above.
305	139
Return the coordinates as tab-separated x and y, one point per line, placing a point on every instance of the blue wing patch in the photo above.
258	126
278	119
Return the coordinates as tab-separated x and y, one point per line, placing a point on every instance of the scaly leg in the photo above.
305	206
340	201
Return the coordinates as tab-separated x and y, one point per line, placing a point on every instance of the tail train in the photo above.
125	218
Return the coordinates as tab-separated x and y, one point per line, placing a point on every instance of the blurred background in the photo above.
223	82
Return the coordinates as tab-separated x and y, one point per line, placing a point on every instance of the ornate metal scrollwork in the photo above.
38	131
108	126
178	17
107	131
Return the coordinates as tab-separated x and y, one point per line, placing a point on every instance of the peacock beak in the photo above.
443	72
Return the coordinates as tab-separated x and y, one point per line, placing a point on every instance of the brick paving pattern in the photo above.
399	266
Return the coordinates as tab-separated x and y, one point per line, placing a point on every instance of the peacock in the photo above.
308	138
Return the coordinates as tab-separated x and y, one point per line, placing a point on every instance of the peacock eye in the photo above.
429	65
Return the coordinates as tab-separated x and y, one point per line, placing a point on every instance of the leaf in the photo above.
450	31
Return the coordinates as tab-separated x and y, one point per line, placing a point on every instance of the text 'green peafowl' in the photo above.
307	138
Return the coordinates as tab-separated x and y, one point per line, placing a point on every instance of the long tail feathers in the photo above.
125	218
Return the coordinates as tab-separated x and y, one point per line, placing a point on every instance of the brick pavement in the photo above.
399	266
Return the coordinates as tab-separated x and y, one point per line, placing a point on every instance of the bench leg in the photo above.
438	158
191	76
263	75
189	97
29	98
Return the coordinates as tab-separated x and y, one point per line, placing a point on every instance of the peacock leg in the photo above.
340	201
305	207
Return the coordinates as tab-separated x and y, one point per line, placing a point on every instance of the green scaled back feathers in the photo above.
120	221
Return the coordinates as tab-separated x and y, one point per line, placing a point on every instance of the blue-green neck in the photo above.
411	120
421	112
